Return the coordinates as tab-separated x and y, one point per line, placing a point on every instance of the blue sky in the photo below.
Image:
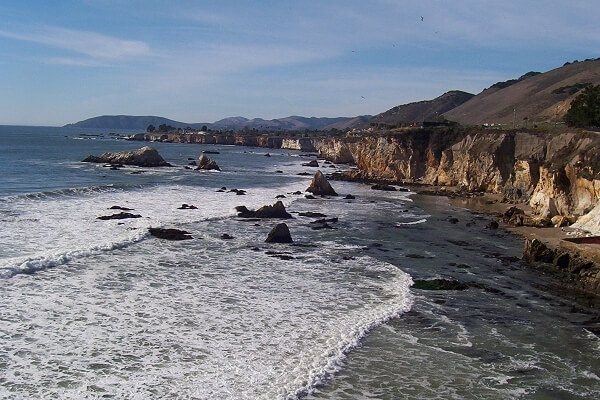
199	61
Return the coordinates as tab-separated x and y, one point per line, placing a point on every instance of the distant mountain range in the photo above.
233	123
533	97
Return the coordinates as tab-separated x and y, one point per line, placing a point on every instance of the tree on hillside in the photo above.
150	128
585	108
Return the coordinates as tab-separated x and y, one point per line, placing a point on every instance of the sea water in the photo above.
101	309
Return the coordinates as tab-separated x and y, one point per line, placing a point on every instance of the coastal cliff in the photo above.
556	175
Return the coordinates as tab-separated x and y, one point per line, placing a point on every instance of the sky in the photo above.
200	61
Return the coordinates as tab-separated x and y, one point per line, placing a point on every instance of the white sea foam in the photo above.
192	320
48	229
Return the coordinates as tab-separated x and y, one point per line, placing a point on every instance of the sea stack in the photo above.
144	157
206	163
320	186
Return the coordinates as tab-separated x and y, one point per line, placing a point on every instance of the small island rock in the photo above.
279	234
206	163
144	157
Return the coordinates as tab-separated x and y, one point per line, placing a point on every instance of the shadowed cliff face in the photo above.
556	175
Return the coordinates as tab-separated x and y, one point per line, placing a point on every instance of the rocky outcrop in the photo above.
144	157
574	265
277	210
320	186
206	163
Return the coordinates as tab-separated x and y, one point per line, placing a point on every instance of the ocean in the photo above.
95	309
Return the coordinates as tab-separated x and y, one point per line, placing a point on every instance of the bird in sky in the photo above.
421	18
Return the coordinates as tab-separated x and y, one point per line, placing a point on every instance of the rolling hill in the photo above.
419	111
534	97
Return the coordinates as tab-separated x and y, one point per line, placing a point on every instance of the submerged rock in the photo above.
120	208
185	206
312	163
320	186
207	164
169	233
144	157
277	210
279	234
380	186
439	284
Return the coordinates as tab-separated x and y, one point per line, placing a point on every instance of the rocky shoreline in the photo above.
553	179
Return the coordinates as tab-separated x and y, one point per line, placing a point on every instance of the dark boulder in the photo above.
350	197
277	210
320	186
144	157
312	163
453	220
207	164
226	236
121	215
169	233
210	152
279	234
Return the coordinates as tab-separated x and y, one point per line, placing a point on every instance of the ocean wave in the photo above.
70	192
32	265
399	290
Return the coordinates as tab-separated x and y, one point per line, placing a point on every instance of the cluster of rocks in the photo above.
277	210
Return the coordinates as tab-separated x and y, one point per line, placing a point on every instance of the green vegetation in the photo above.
585	109
571	89
151	128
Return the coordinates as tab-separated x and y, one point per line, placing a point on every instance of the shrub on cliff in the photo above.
585	109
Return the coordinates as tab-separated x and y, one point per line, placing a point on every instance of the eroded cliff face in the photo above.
558	175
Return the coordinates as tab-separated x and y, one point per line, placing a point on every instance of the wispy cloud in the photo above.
91	44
